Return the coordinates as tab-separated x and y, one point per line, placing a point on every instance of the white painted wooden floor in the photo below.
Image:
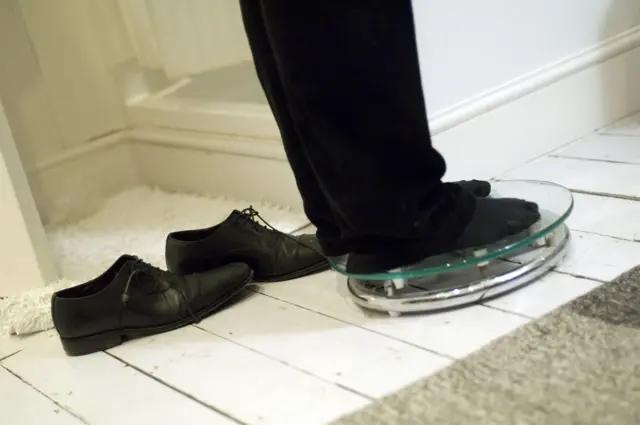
299	353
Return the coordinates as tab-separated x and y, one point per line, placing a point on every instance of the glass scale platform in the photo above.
470	276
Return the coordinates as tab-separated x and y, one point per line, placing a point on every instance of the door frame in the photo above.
26	258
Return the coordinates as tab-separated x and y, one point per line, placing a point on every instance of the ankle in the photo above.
334	248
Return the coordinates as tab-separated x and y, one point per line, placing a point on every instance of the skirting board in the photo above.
75	184
482	138
505	128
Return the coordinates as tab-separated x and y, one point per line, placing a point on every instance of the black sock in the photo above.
493	219
334	246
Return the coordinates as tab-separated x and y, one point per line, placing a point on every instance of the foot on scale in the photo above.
467	275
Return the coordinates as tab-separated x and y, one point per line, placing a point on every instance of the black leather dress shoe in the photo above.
272	255
134	299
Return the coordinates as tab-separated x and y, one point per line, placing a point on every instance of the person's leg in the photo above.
315	205
350	75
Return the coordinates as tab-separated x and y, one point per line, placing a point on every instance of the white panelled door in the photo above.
26	260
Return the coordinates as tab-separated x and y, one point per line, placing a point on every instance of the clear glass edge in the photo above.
472	261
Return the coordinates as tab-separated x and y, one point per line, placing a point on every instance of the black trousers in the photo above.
343	80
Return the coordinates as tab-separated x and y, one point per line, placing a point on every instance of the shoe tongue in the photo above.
244	219
126	258
235	215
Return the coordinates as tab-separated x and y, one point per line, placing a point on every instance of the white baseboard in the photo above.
542	111
202	163
75	183
480	138
535	80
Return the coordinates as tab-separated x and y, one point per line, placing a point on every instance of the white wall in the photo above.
468	47
60	93
56	80
23	91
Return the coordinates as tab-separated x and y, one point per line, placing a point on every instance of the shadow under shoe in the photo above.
273	255
133	299
493	220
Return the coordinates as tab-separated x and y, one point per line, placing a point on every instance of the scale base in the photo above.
464	285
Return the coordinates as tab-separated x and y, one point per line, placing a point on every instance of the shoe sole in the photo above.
103	341
312	269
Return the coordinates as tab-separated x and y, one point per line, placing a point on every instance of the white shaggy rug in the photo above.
135	222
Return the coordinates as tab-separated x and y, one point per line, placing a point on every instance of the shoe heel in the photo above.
90	344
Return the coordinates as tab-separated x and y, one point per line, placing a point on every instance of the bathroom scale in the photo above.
477	274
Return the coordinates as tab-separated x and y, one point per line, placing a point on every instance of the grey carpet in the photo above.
578	365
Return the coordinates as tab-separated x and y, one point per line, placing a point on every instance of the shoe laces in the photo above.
138	266
253	218
261	224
